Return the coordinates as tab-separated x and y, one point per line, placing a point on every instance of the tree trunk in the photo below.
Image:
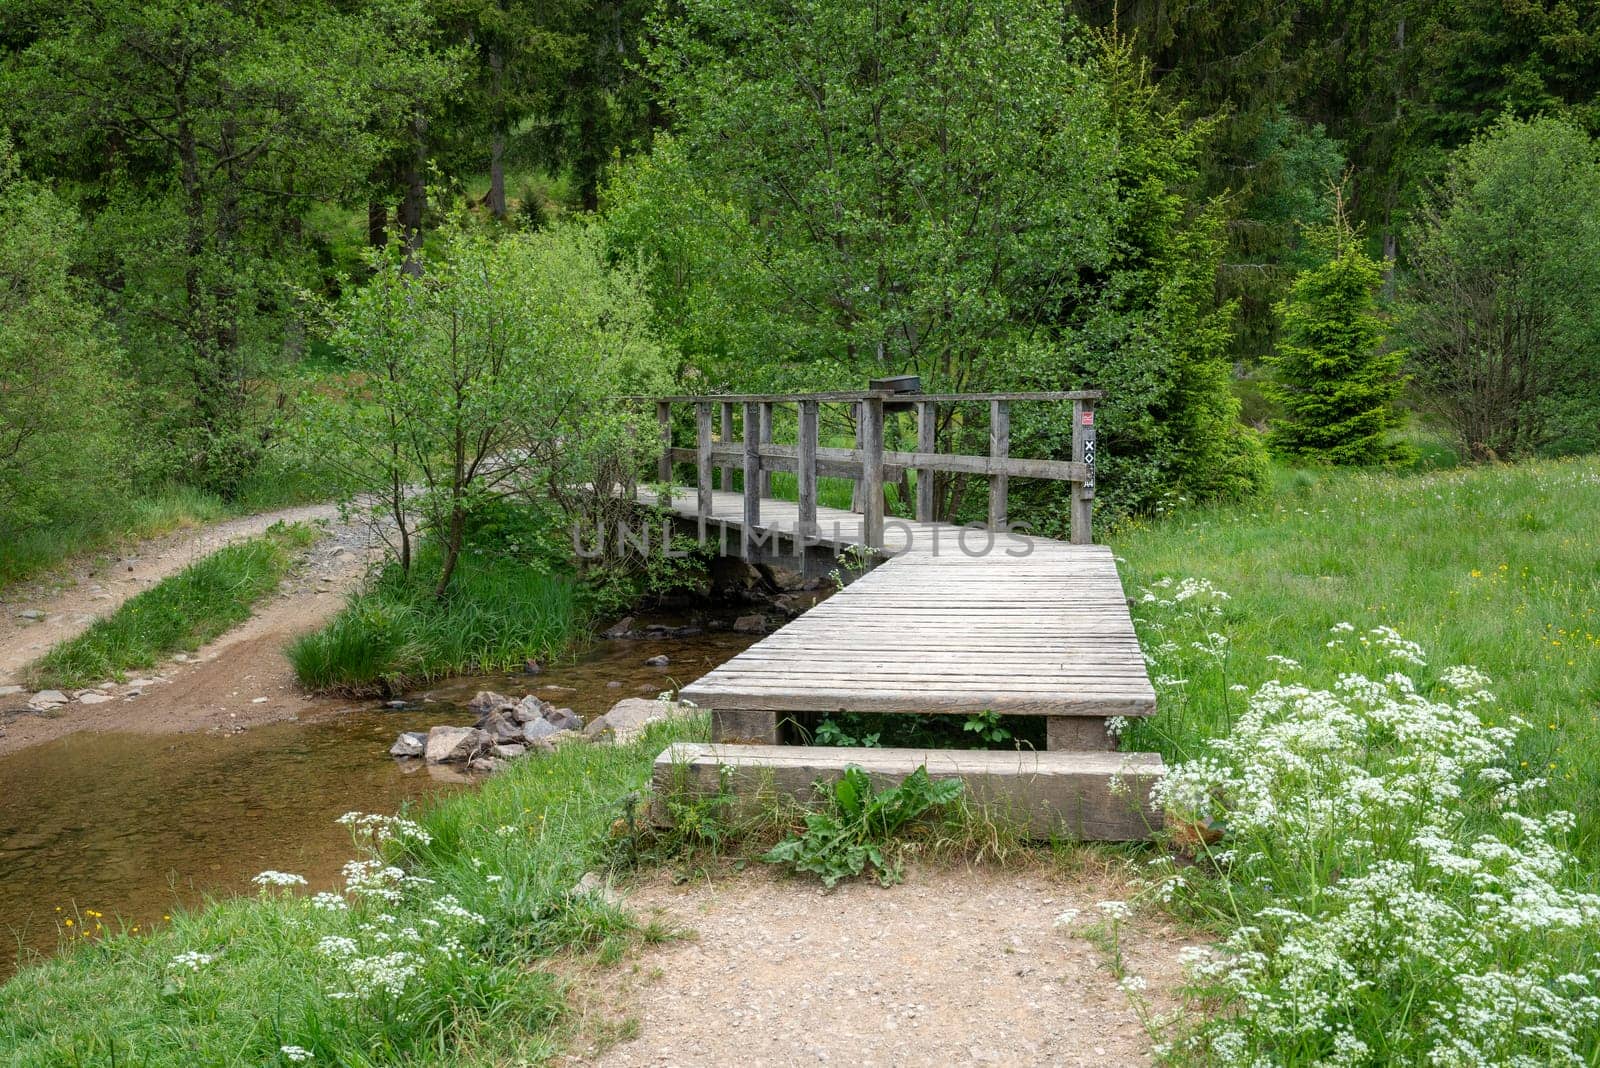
497	145
414	199
497	176
377	223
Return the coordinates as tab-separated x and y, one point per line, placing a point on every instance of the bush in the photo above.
59	414
1334	380
1499	305
395	633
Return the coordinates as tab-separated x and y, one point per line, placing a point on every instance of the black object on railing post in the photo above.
872	472
999	449
927	441
1083	450
752	480
806	470
702	470
664	465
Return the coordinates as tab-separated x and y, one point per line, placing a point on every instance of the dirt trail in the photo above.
952	967
238	680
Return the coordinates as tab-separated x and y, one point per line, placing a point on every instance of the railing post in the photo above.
859	410
1083	448
871	426
664	465
752	480
702	419
766	439
806	471
999	449
727	439
927	441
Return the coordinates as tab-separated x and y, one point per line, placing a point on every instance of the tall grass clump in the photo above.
497	613
428	953
182	612
1359	729
26	552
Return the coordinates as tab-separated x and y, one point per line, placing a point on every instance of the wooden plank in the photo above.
927	441
945	700
703	495
1091	796
806	465
1083	452
1077	733
765	438
743	726
664	464
727	439
999	450
846	463
872	472
841	396
752	481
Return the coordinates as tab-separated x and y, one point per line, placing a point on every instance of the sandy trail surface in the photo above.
240	679
955	966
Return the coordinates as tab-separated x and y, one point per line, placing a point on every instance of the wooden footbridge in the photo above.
946	618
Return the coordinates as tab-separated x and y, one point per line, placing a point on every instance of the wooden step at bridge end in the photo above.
1090	796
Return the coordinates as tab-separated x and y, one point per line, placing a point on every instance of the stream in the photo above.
132	825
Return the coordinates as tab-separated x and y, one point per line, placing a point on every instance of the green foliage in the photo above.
953	185
196	138
182	612
1335	381
507	853
59	418
395	633
1498	305
493	376
858	828
986	725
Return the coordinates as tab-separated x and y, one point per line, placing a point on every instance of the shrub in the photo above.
1499	305
1334	380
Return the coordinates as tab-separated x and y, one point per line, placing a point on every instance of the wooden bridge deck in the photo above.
953	624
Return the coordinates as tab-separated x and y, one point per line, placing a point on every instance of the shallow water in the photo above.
130	825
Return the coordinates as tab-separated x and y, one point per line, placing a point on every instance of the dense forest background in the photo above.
1306	227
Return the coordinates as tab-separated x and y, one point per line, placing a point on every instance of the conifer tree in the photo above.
1334	379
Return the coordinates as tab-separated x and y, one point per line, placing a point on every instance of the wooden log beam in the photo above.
1083	453
1089	796
927	442
999	450
806	469
872	472
752	481
702	467
664	465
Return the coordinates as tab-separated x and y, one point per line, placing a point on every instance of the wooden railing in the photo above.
757	455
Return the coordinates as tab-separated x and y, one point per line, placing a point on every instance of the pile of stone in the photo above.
508	729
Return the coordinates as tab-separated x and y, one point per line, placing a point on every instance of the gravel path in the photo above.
238	680
952	967
74	597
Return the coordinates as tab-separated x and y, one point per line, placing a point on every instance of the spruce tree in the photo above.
1334	380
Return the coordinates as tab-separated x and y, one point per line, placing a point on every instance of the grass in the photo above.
392	634
1384	862
1493	567
181	613
161	511
507	854
30	552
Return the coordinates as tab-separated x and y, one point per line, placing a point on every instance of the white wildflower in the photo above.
279	878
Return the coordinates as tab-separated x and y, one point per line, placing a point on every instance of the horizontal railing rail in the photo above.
716	454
